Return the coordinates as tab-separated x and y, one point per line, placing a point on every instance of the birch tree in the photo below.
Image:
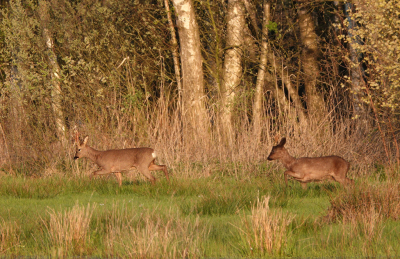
232	69
262	72
175	50
193	97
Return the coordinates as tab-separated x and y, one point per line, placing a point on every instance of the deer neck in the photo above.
287	160
93	154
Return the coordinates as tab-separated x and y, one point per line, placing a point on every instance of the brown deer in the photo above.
309	169
118	160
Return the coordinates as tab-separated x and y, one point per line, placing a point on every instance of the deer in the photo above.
310	169
118	160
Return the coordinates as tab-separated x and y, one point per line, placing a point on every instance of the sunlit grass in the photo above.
215	216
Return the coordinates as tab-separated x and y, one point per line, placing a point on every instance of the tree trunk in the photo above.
175	53
261	75
355	69
315	102
215	63
56	93
251	10
193	97
232	70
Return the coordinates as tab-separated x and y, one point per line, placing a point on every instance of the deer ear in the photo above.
85	141
283	141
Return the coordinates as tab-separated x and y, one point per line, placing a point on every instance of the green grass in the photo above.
204	217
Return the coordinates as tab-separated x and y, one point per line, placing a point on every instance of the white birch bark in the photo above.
262	73
232	69
193	97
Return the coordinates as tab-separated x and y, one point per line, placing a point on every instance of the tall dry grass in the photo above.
68	231
153	235
180	151
9	237
267	231
363	213
366	202
159	124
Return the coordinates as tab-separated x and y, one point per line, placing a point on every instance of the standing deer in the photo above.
118	160
309	169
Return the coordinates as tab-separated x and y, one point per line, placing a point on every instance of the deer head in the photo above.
81	148
278	151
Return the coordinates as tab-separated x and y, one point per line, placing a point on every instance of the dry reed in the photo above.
68	231
9	236
267	232
151	235
365	201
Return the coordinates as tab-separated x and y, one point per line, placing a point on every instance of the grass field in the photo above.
222	215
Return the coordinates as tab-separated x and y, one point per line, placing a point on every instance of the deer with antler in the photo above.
118	160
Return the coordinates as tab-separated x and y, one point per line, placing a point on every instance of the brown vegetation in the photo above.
69	230
365	202
267	231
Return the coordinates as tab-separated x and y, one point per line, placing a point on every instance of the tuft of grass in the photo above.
267	231
153	234
9	237
69	231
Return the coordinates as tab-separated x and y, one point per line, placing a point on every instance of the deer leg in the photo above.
286	178
99	172
146	172
296	176
343	180
105	172
119	178
340	180
154	167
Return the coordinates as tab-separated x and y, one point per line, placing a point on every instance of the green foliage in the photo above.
109	54
272	26
377	41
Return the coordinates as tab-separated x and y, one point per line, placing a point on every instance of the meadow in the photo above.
120	73
249	214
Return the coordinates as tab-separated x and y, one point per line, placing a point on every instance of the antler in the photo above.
76	132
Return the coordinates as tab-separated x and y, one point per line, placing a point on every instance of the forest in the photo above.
212	86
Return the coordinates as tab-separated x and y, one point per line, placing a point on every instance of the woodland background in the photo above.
205	82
